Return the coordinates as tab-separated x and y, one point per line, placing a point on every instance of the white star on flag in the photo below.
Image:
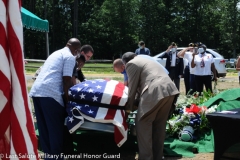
86	105
99	87
90	90
69	93
79	89
90	111
95	98
93	82
70	119
79	107
86	85
82	96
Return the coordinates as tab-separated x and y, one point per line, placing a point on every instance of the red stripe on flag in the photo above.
5	147
5	120
118	136
3	39
124	122
18	139
4	114
5	87
117	94
110	114
17	57
16	113
5	2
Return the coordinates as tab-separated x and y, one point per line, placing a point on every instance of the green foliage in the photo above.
114	27
195	98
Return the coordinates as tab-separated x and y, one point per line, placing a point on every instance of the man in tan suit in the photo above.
156	95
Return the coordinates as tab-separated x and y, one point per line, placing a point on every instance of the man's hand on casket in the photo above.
127	112
131	108
135	104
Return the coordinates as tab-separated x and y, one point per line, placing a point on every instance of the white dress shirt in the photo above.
189	57
173	63
208	60
49	82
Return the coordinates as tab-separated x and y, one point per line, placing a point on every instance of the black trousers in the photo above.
174	77
187	79
203	81
50	121
192	84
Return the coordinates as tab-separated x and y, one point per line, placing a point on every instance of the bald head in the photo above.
118	65
118	62
74	45
74	42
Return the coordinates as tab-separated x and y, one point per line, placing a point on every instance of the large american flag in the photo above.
99	101
17	134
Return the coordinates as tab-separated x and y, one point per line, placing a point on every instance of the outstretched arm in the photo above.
192	63
169	47
166	52
182	52
133	73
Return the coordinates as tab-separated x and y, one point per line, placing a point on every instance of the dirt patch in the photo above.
222	84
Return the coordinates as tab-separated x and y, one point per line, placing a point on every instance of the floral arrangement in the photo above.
189	119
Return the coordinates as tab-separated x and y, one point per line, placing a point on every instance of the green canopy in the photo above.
31	21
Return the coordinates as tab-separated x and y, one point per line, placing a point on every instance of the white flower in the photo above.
211	109
172	123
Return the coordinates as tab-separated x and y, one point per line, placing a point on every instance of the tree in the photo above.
230	27
112	28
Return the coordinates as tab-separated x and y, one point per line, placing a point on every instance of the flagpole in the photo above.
46	33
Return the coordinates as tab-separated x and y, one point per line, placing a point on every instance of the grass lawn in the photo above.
105	70
89	68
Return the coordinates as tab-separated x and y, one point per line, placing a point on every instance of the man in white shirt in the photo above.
187	54
174	64
50	94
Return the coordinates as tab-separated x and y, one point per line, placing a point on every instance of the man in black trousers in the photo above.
174	64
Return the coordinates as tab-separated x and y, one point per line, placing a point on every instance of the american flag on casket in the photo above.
99	101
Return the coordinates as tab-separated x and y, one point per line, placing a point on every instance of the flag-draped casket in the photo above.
99	101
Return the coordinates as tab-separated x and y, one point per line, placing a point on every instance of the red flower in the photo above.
193	108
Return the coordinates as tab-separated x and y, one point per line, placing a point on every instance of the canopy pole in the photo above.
46	34
47	44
